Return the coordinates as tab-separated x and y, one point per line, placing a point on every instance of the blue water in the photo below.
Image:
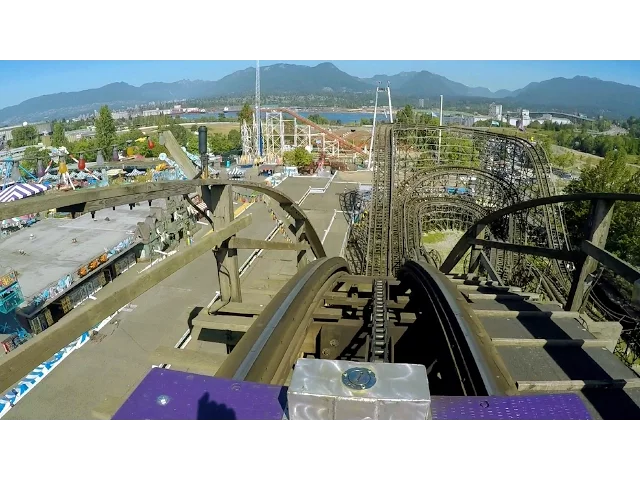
344	117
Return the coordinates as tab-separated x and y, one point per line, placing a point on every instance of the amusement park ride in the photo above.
271	135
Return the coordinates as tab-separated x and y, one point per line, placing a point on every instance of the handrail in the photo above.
586	249
462	245
96	199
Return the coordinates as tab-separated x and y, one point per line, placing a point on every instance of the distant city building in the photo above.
156	111
44	128
495	111
458	120
523	119
75	135
121	114
421	103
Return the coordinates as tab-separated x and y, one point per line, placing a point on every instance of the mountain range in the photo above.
584	94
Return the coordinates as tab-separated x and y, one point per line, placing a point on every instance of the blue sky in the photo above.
21	80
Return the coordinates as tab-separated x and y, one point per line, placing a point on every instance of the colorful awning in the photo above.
20	191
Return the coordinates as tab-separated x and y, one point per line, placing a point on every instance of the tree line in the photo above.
107	136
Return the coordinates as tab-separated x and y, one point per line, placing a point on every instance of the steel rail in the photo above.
268	350
481	360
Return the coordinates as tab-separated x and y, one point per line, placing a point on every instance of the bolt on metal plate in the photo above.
359	378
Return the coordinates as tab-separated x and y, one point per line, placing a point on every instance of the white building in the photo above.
156	111
75	135
121	114
495	111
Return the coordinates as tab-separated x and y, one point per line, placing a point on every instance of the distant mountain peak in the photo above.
578	93
328	65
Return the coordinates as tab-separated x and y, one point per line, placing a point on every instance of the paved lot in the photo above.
115	362
50	255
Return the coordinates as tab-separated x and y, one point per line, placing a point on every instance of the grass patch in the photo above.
223	128
433	237
218	127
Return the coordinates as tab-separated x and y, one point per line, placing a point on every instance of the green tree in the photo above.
142	148
564	160
24	136
193	144
246	114
235	139
219	143
31	156
58	139
131	136
315	118
298	157
105	130
180	133
406	115
88	147
610	175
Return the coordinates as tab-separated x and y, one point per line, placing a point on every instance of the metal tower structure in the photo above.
247	142
273	136
257	124
379	89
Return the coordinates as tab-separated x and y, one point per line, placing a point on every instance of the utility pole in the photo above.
440	129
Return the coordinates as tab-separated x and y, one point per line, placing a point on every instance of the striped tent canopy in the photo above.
20	191
235	173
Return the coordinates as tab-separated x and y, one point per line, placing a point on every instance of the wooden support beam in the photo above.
92	199
301	240
113	296
488	266
191	360
229	323
460	248
597	232
241	309
333	314
622	268
476	250
367	280
252	244
550	342
563	254
80	202
553	315
333	299
219	200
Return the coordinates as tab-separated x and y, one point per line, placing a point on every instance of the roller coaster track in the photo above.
402	242
341	141
317	313
405	232
450	324
475	337
378	261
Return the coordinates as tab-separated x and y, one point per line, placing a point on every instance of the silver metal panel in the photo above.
320	390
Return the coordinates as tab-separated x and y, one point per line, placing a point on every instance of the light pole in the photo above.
440	129
202	148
